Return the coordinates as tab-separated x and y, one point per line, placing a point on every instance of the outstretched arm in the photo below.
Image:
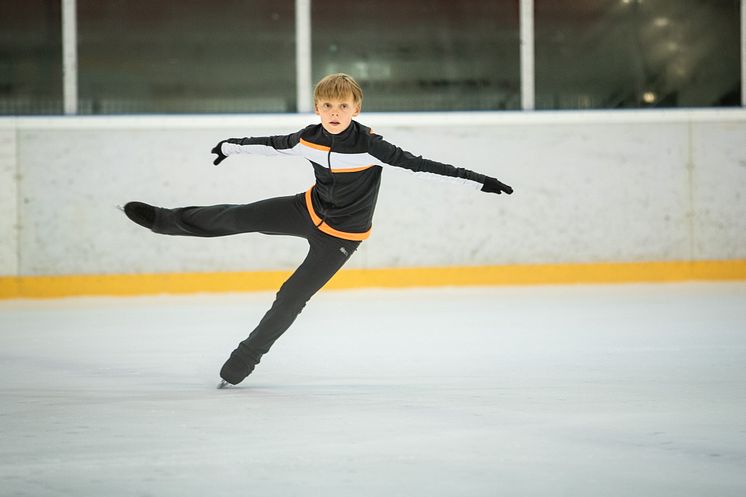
394	156
261	145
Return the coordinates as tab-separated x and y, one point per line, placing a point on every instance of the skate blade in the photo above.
223	384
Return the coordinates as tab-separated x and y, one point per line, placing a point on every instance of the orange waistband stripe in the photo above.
352	170
320	224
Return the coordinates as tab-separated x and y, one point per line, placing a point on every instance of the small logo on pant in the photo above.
344	251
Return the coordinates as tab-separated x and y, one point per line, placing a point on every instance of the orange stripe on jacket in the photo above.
320	224
314	145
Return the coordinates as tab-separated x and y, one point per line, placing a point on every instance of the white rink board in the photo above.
590	187
8	203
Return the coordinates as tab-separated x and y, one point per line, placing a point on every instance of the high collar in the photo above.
344	135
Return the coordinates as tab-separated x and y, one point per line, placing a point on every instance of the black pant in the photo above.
276	216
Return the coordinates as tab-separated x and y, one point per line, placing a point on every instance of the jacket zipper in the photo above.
331	189
329	163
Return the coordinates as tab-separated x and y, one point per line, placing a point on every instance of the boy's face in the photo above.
336	115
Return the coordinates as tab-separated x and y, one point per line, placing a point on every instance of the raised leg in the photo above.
282	216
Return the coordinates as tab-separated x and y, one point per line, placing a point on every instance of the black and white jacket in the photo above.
348	172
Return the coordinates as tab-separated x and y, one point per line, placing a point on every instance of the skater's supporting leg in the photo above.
325	257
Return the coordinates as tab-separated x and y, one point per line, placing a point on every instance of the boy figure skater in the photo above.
334	215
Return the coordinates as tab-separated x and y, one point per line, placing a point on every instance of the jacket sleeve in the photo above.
392	155
263	145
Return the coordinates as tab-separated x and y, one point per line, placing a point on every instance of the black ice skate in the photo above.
140	213
235	370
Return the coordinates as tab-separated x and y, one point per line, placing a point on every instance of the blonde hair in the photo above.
337	87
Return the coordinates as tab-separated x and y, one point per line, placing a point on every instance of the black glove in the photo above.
492	185
217	149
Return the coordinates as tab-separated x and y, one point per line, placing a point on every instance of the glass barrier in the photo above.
421	56
142	56
194	56
637	53
30	57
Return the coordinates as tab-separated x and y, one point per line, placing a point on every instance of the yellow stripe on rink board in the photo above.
542	274
539	274
138	284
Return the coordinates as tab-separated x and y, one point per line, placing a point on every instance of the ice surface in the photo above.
628	390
